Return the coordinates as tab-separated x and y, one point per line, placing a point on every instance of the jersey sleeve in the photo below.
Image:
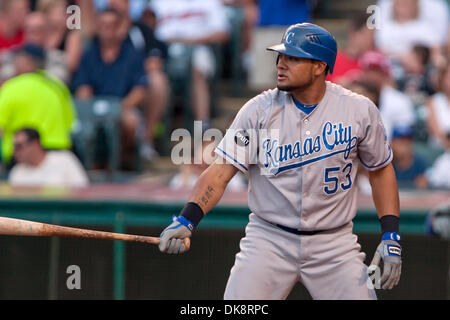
240	144
373	149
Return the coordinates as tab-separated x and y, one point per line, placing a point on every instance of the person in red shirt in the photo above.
12	18
360	39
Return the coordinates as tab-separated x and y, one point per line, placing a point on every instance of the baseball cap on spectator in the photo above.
35	51
375	60
402	132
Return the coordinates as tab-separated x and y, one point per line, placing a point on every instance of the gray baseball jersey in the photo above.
302	168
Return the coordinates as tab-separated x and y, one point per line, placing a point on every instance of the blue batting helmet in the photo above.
310	41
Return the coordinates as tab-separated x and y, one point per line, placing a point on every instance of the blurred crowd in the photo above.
402	65
140	51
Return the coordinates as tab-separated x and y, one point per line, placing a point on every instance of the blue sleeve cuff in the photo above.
391	236
185	222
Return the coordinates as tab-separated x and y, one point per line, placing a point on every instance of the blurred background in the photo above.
91	91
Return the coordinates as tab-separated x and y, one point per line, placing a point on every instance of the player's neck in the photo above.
310	95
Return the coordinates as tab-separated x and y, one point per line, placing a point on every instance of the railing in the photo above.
123	214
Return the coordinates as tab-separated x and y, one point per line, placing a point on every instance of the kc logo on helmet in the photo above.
289	38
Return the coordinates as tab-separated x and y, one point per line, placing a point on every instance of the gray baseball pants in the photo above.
271	261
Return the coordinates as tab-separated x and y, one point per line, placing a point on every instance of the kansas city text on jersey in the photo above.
333	135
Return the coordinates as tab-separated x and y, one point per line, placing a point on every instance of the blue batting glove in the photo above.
175	238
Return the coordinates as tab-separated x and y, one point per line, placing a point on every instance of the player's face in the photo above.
297	73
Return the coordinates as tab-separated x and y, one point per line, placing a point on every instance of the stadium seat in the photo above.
427	152
179	69
98	116
234	47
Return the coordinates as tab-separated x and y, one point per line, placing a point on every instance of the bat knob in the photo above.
187	243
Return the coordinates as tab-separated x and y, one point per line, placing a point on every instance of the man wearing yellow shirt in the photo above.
36	100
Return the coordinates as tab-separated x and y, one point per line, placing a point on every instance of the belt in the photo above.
300	232
307	233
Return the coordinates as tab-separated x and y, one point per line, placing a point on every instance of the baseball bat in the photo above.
19	227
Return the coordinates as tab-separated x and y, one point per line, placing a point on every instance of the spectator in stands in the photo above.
409	166
148	18
274	16
415	78
36	99
360	39
250	15
197	23
371	91
438	120
405	23
36	33
365	88
12	18
438	175
88	18
111	66
135	7
39	167
155	51
59	37
395	107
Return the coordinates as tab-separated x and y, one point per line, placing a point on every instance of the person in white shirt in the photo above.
438	120
38	167
438	175
396	108
405	23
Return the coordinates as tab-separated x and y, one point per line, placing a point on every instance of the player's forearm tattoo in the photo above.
204	199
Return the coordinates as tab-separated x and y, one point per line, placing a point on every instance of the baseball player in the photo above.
300	145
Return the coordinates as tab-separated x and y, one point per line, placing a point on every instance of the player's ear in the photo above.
319	67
